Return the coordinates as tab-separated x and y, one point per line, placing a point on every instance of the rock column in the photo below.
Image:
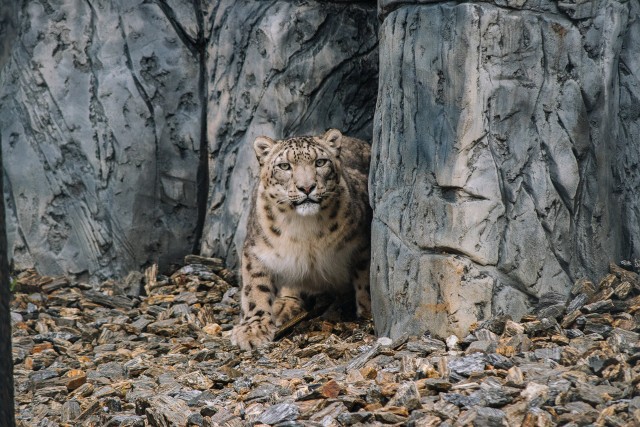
100	124
505	156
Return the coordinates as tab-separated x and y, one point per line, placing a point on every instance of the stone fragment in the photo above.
577	302
625	275
568	320
435	384
583	286
482	346
493	394
139	325
622	290
223	417
483	334
468	365
551	304
41	360
195	380
278	413
425	346
426	420
512	328
363	358
125	421
111	301
580	413
535	394
75	378
53	337
515	413
407	396
349	418
389	417
483	416
330	389
54	284
495	324
212	329
595	326
111	370
163	410
91	409
330	413
603	306
445	409
538	418
622	340
552	353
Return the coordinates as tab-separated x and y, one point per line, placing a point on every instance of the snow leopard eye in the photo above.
284	166
321	162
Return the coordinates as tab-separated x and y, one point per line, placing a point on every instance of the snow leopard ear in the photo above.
333	139
262	146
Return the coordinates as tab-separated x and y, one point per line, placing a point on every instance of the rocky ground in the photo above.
155	351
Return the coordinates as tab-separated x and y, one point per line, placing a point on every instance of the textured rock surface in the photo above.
103	114
100	119
280	69
505	160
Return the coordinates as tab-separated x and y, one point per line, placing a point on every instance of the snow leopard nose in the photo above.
307	189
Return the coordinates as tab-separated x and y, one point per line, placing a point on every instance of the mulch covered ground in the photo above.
155	351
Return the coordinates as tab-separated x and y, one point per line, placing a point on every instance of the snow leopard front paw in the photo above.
253	332
286	308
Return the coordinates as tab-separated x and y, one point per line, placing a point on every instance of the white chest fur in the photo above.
301	259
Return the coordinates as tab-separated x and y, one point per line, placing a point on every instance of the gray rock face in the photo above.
101	125
505	156
112	114
280	69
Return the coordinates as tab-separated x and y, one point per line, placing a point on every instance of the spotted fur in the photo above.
308	231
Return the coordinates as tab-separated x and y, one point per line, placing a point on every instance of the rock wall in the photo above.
280	69
101	111
505	156
116	118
